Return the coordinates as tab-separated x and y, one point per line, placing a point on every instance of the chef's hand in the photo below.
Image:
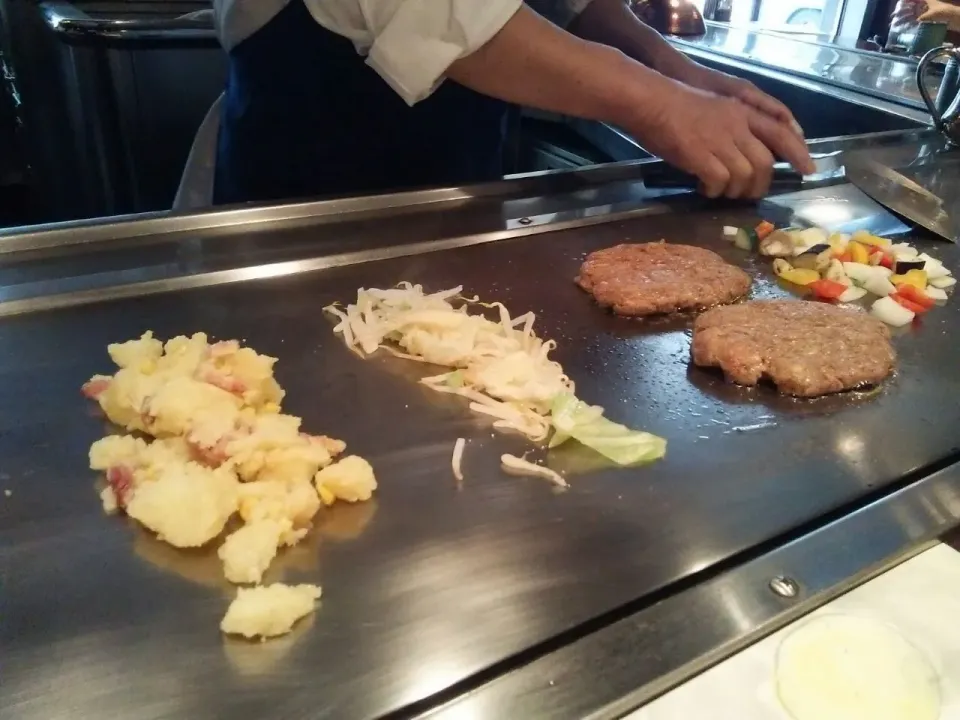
729	145
719	83
939	11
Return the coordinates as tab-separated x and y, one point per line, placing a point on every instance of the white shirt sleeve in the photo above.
411	43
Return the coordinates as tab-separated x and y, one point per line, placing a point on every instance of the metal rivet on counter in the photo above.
524	221
784	587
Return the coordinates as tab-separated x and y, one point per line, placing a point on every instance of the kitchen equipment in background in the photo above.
718	10
929	36
670	17
904	27
945	110
112	94
918	182
949	85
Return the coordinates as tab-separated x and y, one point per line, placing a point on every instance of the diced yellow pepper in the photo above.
858	252
836	242
862	236
797	276
916	278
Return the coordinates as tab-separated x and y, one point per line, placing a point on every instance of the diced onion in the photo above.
935	293
457	460
942	282
891	312
879	285
518	466
729	231
903	251
933	267
810	237
852	294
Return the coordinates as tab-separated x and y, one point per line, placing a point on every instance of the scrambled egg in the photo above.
269	610
212	444
351	479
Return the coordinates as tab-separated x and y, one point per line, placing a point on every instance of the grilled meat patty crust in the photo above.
654	278
805	348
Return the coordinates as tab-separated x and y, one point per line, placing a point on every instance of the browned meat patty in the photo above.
806	348
653	278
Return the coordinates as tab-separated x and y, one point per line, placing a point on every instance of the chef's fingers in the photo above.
714	175
782	143
761	161
756	98
739	167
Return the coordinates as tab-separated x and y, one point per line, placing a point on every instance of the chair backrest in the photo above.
196	183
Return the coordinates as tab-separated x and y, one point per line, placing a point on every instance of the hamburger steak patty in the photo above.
652	278
806	348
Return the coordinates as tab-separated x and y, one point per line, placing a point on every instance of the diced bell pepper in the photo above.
764	229
825	289
916	296
797	276
858	253
866	238
916	278
913	307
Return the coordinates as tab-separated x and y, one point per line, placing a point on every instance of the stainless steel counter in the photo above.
498	599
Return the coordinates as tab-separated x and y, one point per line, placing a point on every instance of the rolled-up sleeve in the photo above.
412	43
415	41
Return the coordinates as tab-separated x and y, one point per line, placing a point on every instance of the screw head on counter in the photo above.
785	587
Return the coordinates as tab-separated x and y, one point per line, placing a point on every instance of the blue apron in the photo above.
304	116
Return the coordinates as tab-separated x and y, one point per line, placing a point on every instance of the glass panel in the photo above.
816	18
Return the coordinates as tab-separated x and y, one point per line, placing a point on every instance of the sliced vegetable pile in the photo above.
847	268
500	365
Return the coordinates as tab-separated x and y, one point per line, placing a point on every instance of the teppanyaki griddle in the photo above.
430	585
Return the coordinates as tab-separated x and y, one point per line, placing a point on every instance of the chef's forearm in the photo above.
613	23
534	63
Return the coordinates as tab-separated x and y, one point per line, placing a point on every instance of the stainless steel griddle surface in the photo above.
431	583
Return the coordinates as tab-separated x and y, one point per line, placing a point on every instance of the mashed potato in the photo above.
279	501
268	611
272	448
187	505
248	552
351	479
213	443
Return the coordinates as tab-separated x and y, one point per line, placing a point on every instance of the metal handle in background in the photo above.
925	61
67	20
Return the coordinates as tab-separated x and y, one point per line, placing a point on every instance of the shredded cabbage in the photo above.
500	366
586	424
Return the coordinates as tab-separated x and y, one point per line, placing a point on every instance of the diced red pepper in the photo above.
827	289
913	307
845	256
916	296
886	259
764	229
